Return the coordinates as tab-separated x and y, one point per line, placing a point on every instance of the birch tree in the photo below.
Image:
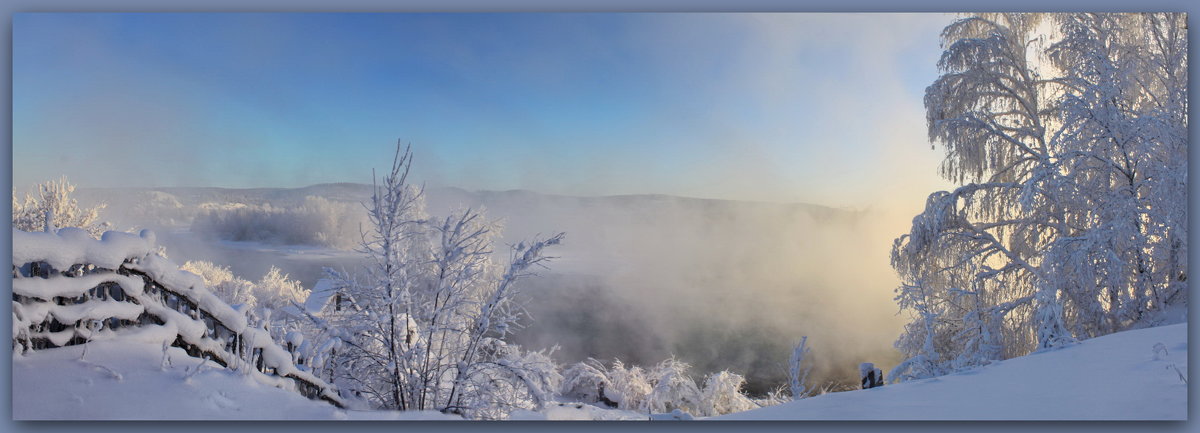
1066	135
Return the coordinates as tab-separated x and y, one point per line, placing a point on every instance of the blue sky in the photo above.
822	108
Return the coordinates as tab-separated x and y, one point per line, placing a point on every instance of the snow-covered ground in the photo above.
124	380
1123	376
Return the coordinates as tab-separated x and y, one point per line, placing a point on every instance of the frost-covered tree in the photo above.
54	201
428	318
1067	135
1124	137
980	243
798	369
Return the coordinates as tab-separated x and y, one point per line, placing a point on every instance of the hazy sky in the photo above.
822	108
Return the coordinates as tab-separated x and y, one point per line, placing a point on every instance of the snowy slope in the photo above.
1115	377
124	380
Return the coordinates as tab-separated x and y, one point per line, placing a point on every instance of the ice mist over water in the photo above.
719	284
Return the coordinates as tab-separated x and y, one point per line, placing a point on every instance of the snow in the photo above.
319	296
865	368
1115	377
90	310
122	379
192	287
69	246
576	412
56	286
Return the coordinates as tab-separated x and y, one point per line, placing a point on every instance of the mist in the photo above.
719	284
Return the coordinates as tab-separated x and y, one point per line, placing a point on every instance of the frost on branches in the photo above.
1068	136
426	322
268	300
798	370
54	201
665	388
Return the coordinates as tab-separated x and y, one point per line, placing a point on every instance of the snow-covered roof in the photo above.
320	295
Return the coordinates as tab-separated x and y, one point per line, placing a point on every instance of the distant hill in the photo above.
439	199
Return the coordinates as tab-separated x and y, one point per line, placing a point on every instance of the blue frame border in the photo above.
9	8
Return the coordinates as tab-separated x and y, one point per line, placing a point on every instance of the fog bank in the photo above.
720	284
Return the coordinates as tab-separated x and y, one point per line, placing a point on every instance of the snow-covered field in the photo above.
1123	376
1116	377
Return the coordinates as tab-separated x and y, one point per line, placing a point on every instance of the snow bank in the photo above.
1122	376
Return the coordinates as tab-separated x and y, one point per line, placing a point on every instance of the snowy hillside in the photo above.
1123	376
124	380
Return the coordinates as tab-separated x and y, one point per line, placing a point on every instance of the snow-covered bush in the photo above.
722	394
585	382
630	386
509	379
266	303
673	389
54	199
276	291
221	281
666	388
776	396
